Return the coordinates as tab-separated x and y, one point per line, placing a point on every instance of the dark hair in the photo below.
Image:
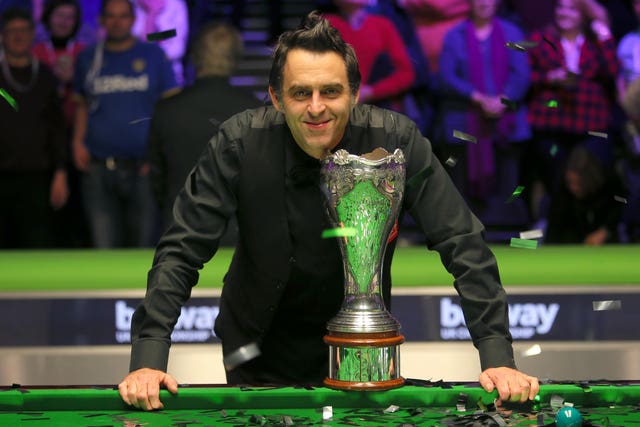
103	7
14	13
52	5
586	165
315	34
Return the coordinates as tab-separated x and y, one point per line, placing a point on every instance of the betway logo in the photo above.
195	323
525	320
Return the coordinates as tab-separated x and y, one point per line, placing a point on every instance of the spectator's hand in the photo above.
141	388
598	237
562	77
81	157
512	385
493	107
59	190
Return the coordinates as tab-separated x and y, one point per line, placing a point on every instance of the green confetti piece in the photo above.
420	176
527	44
554	150
9	99
339	232
515	194
552	104
523	244
464	136
161	35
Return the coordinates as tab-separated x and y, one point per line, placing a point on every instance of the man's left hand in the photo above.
512	385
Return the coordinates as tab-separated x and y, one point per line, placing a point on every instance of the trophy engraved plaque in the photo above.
363	195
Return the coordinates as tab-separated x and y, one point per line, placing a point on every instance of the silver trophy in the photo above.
364	194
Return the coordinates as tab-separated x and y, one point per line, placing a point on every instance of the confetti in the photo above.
516	46
552	104
327	412
556	402
464	136
288	421
515	194
607	305
133	122
523	244
451	161
599	134
161	35
511	105
531	234
420	176
339	232
241	355
554	150
528	44
9	99
534	350
391	409
620	199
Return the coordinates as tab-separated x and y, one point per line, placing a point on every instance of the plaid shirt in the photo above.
586	107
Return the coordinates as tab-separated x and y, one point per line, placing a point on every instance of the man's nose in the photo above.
316	104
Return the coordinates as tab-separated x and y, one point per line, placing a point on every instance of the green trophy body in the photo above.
364	194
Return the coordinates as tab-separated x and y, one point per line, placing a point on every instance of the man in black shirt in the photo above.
285	281
33	177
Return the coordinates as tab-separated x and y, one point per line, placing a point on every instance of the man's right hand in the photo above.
141	388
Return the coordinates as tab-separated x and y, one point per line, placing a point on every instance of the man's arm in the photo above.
201	212
453	231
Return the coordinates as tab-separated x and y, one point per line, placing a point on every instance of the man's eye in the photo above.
300	94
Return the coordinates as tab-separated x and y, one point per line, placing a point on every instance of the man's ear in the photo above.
355	98
274	98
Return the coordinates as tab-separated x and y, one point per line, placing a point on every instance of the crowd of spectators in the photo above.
543	95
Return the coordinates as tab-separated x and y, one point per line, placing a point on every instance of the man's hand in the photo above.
512	385
141	388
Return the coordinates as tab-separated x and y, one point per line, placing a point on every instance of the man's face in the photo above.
62	20
316	100
484	9
17	36
568	15
117	20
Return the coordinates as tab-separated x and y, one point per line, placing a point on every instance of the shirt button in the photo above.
278	285
292	260
272	308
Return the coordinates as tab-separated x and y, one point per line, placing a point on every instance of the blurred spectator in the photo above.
419	101
573	73
483	84
583	209
61	20
385	65
629	93
154	16
433	19
529	15
117	83
33	179
183	124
